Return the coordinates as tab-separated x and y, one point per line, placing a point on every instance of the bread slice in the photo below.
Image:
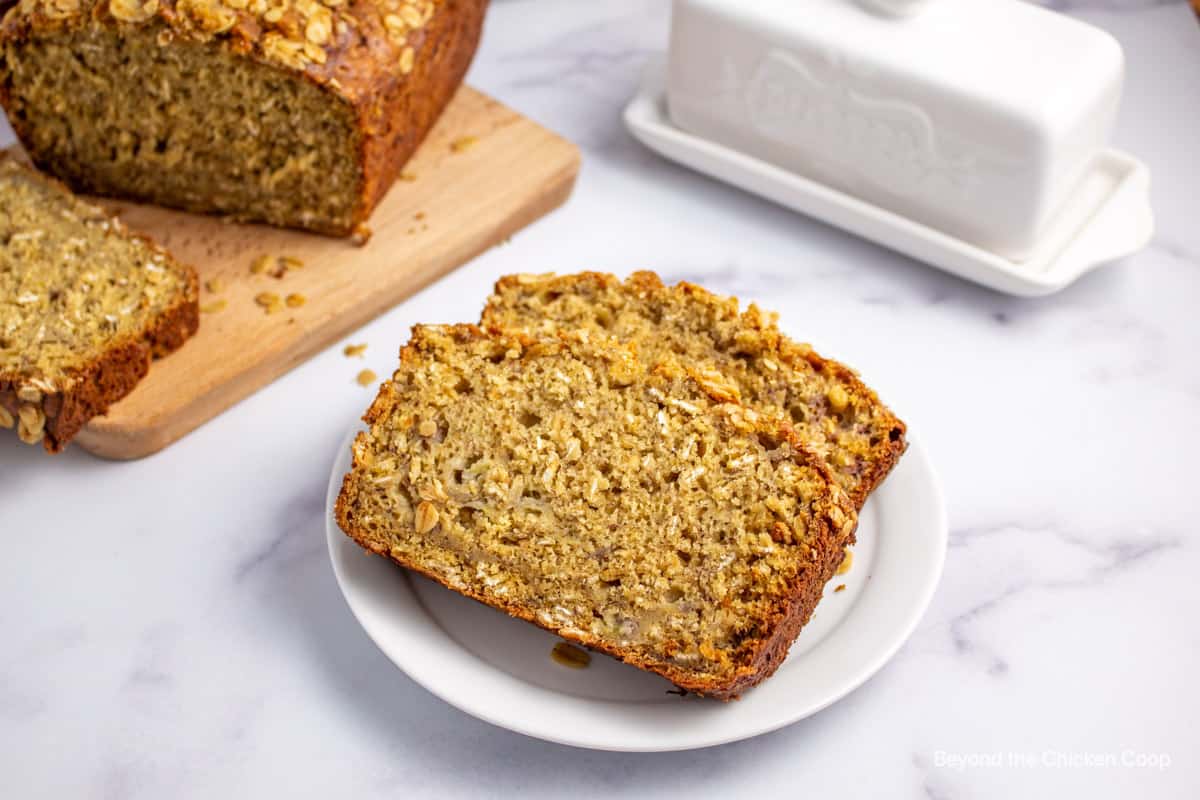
84	305
833	412
636	511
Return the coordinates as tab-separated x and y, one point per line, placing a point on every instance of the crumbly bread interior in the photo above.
627	507
832	411
127	111
74	288
70	282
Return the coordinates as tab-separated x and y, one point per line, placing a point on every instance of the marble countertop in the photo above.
171	627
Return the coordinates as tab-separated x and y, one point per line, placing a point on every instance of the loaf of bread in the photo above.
632	509
832	411
84	305
299	113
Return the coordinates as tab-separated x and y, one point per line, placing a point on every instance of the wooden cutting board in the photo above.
483	173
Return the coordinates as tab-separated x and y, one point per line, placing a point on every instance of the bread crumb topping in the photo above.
296	34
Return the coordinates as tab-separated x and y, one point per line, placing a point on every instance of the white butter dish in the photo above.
974	117
1105	216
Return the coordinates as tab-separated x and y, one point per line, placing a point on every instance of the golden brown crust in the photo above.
396	63
834	520
111	376
882	454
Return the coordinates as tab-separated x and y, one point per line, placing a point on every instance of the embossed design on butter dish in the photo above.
850	134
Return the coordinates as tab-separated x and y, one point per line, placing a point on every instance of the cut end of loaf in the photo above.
628	508
119	110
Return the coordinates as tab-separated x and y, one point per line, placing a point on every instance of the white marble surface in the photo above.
171	627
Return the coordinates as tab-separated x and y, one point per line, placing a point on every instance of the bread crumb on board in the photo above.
213	307
366	377
354	350
275	266
214	285
269	301
463	144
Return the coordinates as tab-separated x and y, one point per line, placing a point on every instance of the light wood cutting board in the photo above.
483	173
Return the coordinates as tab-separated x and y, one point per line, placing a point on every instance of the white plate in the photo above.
1107	218
499	669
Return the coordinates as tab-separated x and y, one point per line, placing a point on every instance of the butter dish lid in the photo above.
1014	54
976	118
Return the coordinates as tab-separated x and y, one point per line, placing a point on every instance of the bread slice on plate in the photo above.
633	509
84	305
832	411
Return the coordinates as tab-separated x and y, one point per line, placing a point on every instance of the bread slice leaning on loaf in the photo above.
298	113
834	412
84	306
633	509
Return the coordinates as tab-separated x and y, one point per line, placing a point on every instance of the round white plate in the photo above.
499	669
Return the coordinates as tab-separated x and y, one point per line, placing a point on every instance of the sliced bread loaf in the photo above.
630	509
833	412
297	113
84	305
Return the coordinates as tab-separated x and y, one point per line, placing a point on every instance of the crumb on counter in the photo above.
353	350
366	377
214	285
295	300
213	307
